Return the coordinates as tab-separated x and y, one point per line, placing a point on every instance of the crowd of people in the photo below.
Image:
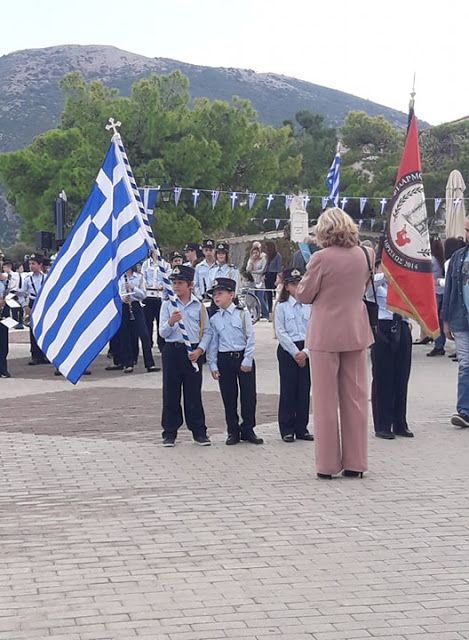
321	324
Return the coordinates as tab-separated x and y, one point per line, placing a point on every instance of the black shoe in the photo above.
460	420
232	439
57	373
347	473
288	438
86	372
5	374
435	352
251	437
204	441
324	476
33	363
153	369
114	367
404	433
305	436
169	442
425	340
129	370
385	435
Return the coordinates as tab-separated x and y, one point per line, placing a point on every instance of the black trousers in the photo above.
130	332
151	312
36	353
295	389
270	278
231	379
179	374
391	361
3	348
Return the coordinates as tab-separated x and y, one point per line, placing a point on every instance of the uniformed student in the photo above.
178	370
203	269
192	254
231	360
33	283
154	287
5	289
291	321
133	326
223	268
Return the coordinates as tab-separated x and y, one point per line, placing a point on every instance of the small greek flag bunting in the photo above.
306	200
324	201
343	203
438	201
333	178
456	203
360	222
264	220
363	202
277	222
251	199
215	195
233	197
177	195
288	201
383	203
270	199
195	196
372	223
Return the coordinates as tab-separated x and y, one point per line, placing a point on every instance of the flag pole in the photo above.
155	248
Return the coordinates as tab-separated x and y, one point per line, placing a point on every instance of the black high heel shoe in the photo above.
425	340
352	474
324	476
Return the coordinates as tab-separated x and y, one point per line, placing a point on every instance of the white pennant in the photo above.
233	198
277	222
269	199
306	201
360	222
251	198
438	201
343	203
383	202
196	196
215	195
324	201
363	202
456	203
264	220
177	195
372	223
288	200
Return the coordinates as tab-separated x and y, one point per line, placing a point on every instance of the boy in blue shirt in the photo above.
230	358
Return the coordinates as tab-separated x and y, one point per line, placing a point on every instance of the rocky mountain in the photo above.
31	103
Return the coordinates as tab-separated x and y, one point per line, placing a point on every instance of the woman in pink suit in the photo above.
338	335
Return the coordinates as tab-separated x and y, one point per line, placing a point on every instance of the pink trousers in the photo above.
339	381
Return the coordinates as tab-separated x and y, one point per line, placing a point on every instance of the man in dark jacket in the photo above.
455	315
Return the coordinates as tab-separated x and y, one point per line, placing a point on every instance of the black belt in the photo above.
181	345
232	354
300	344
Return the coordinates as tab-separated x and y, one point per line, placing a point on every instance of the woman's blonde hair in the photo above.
336	228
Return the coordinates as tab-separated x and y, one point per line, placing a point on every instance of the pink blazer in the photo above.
334	284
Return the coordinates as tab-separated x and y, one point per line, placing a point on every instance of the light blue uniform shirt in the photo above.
151	273
202	279
381	288
229	335
33	284
465	281
191	317
223	271
291	322
138	293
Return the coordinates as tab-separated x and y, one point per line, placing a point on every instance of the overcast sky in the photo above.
369	48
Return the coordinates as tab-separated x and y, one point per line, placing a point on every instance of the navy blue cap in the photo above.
223	284
291	275
222	246
191	246
182	272
208	243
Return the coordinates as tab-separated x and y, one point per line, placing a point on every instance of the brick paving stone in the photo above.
107	535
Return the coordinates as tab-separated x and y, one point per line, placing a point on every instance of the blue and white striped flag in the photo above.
333	177
78	308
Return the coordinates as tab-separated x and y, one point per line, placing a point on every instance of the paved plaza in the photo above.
107	535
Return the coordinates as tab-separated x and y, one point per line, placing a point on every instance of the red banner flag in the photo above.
406	258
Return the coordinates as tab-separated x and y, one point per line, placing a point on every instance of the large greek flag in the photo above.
333	177
78	308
